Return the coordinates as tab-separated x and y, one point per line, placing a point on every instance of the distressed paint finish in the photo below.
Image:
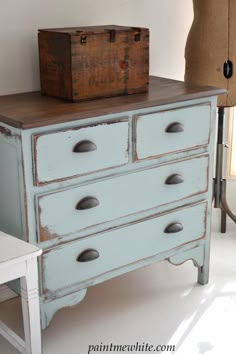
119	196
152	139
135	185
5	131
49	308
198	256
119	247
11	184
55	159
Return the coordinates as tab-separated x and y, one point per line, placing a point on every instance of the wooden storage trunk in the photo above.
89	62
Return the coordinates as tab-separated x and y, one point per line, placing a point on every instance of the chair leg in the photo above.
30	308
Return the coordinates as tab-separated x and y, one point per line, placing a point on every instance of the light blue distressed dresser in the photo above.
109	185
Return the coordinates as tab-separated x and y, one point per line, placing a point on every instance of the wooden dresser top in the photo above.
31	109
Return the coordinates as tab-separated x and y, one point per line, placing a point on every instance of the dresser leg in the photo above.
203	275
30	309
49	308
197	256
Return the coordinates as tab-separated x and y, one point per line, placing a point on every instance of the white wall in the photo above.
168	20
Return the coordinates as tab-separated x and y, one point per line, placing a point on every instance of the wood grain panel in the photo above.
30	110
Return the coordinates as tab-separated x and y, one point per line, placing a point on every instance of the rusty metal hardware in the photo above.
112	35
173	228
174	179
175	127
137	34
88	255
83	40
84	146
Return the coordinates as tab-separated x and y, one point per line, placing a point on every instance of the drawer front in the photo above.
169	131
75	262
69	211
72	152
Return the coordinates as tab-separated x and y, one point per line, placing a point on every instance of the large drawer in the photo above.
76	261
171	131
63	154
69	211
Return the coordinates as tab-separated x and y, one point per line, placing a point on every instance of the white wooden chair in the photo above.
18	259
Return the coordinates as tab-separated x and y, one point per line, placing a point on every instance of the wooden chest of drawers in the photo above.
110	185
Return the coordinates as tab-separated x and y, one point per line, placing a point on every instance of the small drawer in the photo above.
69	211
82	260
171	131
69	153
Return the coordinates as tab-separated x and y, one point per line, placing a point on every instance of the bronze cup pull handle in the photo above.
174	179
88	255
87	203
85	146
175	128
174	228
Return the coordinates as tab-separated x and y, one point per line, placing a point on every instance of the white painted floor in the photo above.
158	304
